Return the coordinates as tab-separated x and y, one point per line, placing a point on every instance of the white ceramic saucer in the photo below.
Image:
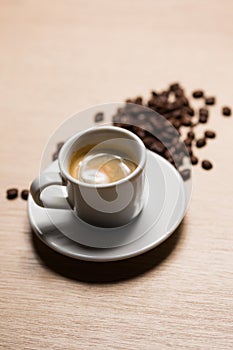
164	209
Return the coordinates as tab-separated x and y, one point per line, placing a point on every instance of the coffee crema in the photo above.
95	166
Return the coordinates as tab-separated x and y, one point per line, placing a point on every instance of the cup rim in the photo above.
69	142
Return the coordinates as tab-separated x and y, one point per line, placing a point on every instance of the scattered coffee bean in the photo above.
210	134
203	119
226	111
201	143
99	117
24	194
185	174
12	193
198	93
206	164
203	111
194	160
188	142
191	135
210	101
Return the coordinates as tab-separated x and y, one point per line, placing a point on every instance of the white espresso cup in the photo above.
104	205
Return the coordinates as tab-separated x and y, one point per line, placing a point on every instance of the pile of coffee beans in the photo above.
173	143
157	135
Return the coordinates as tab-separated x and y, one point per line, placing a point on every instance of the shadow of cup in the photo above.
106	272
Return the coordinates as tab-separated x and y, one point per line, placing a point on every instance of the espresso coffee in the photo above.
95	166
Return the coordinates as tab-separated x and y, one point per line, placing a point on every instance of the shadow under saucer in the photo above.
105	272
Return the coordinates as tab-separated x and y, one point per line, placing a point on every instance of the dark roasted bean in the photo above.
201	143
203	111
179	93
203	119
198	93
24	194
157	147
194	160
148	140
99	117
186	121
177	114
12	193
183	101
206	164
226	111
177	124
191	135
138	100
186	173
190	111
188	142
154	93
210	134
210	101
174	86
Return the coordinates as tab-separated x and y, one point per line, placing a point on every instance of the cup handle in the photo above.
43	181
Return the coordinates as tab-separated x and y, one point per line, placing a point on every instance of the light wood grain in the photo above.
60	57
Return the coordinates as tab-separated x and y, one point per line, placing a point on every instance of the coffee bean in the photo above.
12	193
157	147
148	140
183	101
191	135
206	164
198	93
226	111
188	142
210	101
24	194
190	111
203	119
203	111
179	93
201	143
210	134
154	93
186	121
138	100
185	174
174	86
99	117
194	160
176	124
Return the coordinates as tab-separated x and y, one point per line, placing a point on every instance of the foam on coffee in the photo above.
103	166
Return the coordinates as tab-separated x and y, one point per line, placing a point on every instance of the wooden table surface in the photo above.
59	57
